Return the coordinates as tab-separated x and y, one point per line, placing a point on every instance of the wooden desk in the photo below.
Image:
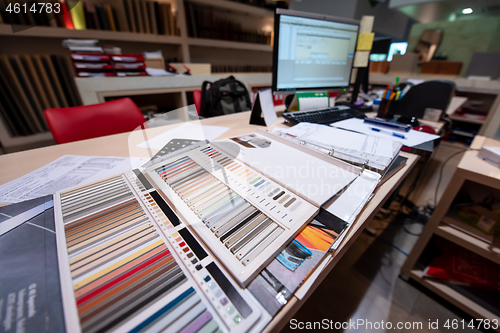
18	164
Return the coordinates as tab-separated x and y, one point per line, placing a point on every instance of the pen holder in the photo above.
391	110
387	109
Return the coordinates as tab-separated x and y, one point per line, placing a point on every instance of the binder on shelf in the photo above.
166	18
64	79
142	73
92	15
92	65
17	93
129	10
51	73
127	58
91	57
101	17
70	73
95	74
68	21
135	66
29	91
77	15
138	15
47	86
19	126
109	13
152	17
29	67
120	14
145	16
11	128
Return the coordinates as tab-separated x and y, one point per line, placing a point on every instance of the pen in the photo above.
398	135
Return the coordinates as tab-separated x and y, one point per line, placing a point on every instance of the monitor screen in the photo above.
312	53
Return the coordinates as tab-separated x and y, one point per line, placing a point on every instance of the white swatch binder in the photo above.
237	197
360	149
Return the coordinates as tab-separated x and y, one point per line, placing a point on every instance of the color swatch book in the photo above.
127	262
235	196
275	285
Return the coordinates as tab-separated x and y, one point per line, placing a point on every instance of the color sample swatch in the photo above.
243	216
120	266
125	275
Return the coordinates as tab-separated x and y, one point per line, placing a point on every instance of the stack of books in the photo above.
90	60
202	23
129	64
29	84
114	15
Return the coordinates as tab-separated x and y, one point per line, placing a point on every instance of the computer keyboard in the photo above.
323	116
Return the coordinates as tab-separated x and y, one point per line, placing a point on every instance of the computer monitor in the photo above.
312	52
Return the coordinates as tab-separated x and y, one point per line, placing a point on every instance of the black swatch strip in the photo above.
143	179
193	244
165	208
244	309
331	221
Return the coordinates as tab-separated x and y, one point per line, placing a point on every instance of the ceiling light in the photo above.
466	10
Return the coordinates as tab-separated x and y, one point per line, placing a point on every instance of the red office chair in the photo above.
92	121
197	100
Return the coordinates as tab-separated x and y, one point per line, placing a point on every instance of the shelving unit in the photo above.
473	172
44	39
63	33
97	90
453	296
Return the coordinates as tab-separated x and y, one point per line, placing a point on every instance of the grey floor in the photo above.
366	285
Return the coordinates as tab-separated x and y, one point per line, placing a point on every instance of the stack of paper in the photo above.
491	155
411	138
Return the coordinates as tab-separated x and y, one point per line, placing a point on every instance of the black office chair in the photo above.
430	94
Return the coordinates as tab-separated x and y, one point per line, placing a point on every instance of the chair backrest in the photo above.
92	121
197	100
431	94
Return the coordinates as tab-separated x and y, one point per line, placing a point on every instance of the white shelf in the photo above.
453	296
229	44
53	32
237	7
468	241
466	120
92	90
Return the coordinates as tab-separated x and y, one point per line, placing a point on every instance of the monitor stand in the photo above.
361	79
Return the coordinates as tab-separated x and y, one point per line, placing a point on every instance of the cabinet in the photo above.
472	174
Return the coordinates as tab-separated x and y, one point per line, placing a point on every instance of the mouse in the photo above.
425	128
413	121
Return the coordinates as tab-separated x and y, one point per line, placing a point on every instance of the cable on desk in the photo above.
441	171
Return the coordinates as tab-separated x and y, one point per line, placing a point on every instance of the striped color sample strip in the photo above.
120	266
243	229
93	197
